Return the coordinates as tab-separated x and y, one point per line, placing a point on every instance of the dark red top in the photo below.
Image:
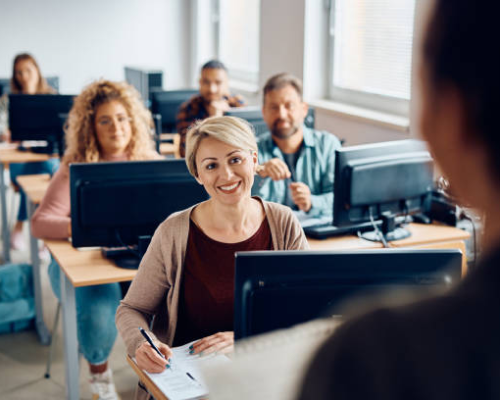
207	292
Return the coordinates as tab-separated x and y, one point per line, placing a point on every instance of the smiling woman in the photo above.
186	278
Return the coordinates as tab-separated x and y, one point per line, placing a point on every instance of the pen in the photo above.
146	336
192	377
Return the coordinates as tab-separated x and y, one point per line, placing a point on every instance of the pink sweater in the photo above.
52	218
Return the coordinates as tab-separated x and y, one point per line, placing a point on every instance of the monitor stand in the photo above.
390	228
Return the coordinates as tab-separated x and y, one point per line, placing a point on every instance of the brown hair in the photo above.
81	139
281	80
42	87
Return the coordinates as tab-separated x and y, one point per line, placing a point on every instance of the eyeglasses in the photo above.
118	121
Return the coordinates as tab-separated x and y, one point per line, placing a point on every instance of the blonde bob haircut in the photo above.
233	131
81	138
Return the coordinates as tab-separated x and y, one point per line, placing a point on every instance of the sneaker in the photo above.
44	254
17	240
102	386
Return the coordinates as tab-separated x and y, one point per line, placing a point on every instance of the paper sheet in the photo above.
176	382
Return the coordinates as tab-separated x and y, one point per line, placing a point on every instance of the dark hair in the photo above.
281	80
214	64
460	50
42	87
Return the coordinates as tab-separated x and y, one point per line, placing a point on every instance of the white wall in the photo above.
80	41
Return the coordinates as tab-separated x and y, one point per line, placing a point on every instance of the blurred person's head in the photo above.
214	83
108	119
26	76
460	96
283	109
221	153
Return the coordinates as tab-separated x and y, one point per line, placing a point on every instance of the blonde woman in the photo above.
186	278
26	79
108	122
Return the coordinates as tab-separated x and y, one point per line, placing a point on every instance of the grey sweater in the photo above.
156	287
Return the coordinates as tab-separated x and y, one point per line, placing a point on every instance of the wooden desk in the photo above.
35	187
150	385
423	236
81	268
11	156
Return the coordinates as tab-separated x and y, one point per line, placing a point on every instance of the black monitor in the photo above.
120	204
39	117
53	82
278	289
167	104
145	81
254	116
377	186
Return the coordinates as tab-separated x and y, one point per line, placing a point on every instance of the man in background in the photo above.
214	99
296	163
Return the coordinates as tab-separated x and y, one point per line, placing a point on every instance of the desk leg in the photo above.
70	338
5	221
41	328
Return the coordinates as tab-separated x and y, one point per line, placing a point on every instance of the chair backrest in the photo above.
167	103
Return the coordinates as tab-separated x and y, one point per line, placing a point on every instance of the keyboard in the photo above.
326	231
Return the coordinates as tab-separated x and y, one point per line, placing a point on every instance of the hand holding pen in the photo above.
153	357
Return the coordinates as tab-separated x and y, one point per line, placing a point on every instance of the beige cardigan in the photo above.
156	287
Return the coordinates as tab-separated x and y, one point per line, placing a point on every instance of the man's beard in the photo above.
283	133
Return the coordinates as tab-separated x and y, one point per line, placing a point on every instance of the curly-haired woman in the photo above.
26	79
108	122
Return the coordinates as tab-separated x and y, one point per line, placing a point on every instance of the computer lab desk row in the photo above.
89	267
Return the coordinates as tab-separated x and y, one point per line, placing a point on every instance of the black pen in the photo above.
146	336
192	377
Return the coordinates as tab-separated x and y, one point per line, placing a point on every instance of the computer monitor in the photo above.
253	115
120	204
278	289
39	117
145	81
53	81
167	104
379	182
376	187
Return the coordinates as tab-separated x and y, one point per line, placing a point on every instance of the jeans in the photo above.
95	315
31	168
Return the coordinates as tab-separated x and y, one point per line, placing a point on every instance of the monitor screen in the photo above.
379	182
38	116
254	116
167	104
117	203
278	289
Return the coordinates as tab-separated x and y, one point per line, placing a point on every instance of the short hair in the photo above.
464	28
231	130
81	138
281	80
214	64
42	86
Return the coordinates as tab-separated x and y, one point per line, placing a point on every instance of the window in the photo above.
237	37
370	53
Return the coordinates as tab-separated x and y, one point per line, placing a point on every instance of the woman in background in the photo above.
108	122
445	347
26	79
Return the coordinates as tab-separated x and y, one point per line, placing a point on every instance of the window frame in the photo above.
235	72
367	100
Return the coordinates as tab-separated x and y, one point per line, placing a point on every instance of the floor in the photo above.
23	359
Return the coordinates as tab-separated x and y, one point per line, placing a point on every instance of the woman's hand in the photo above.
149	360
222	342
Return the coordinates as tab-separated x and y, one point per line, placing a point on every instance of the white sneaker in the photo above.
102	386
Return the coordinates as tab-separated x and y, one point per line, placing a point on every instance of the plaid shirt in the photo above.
193	110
